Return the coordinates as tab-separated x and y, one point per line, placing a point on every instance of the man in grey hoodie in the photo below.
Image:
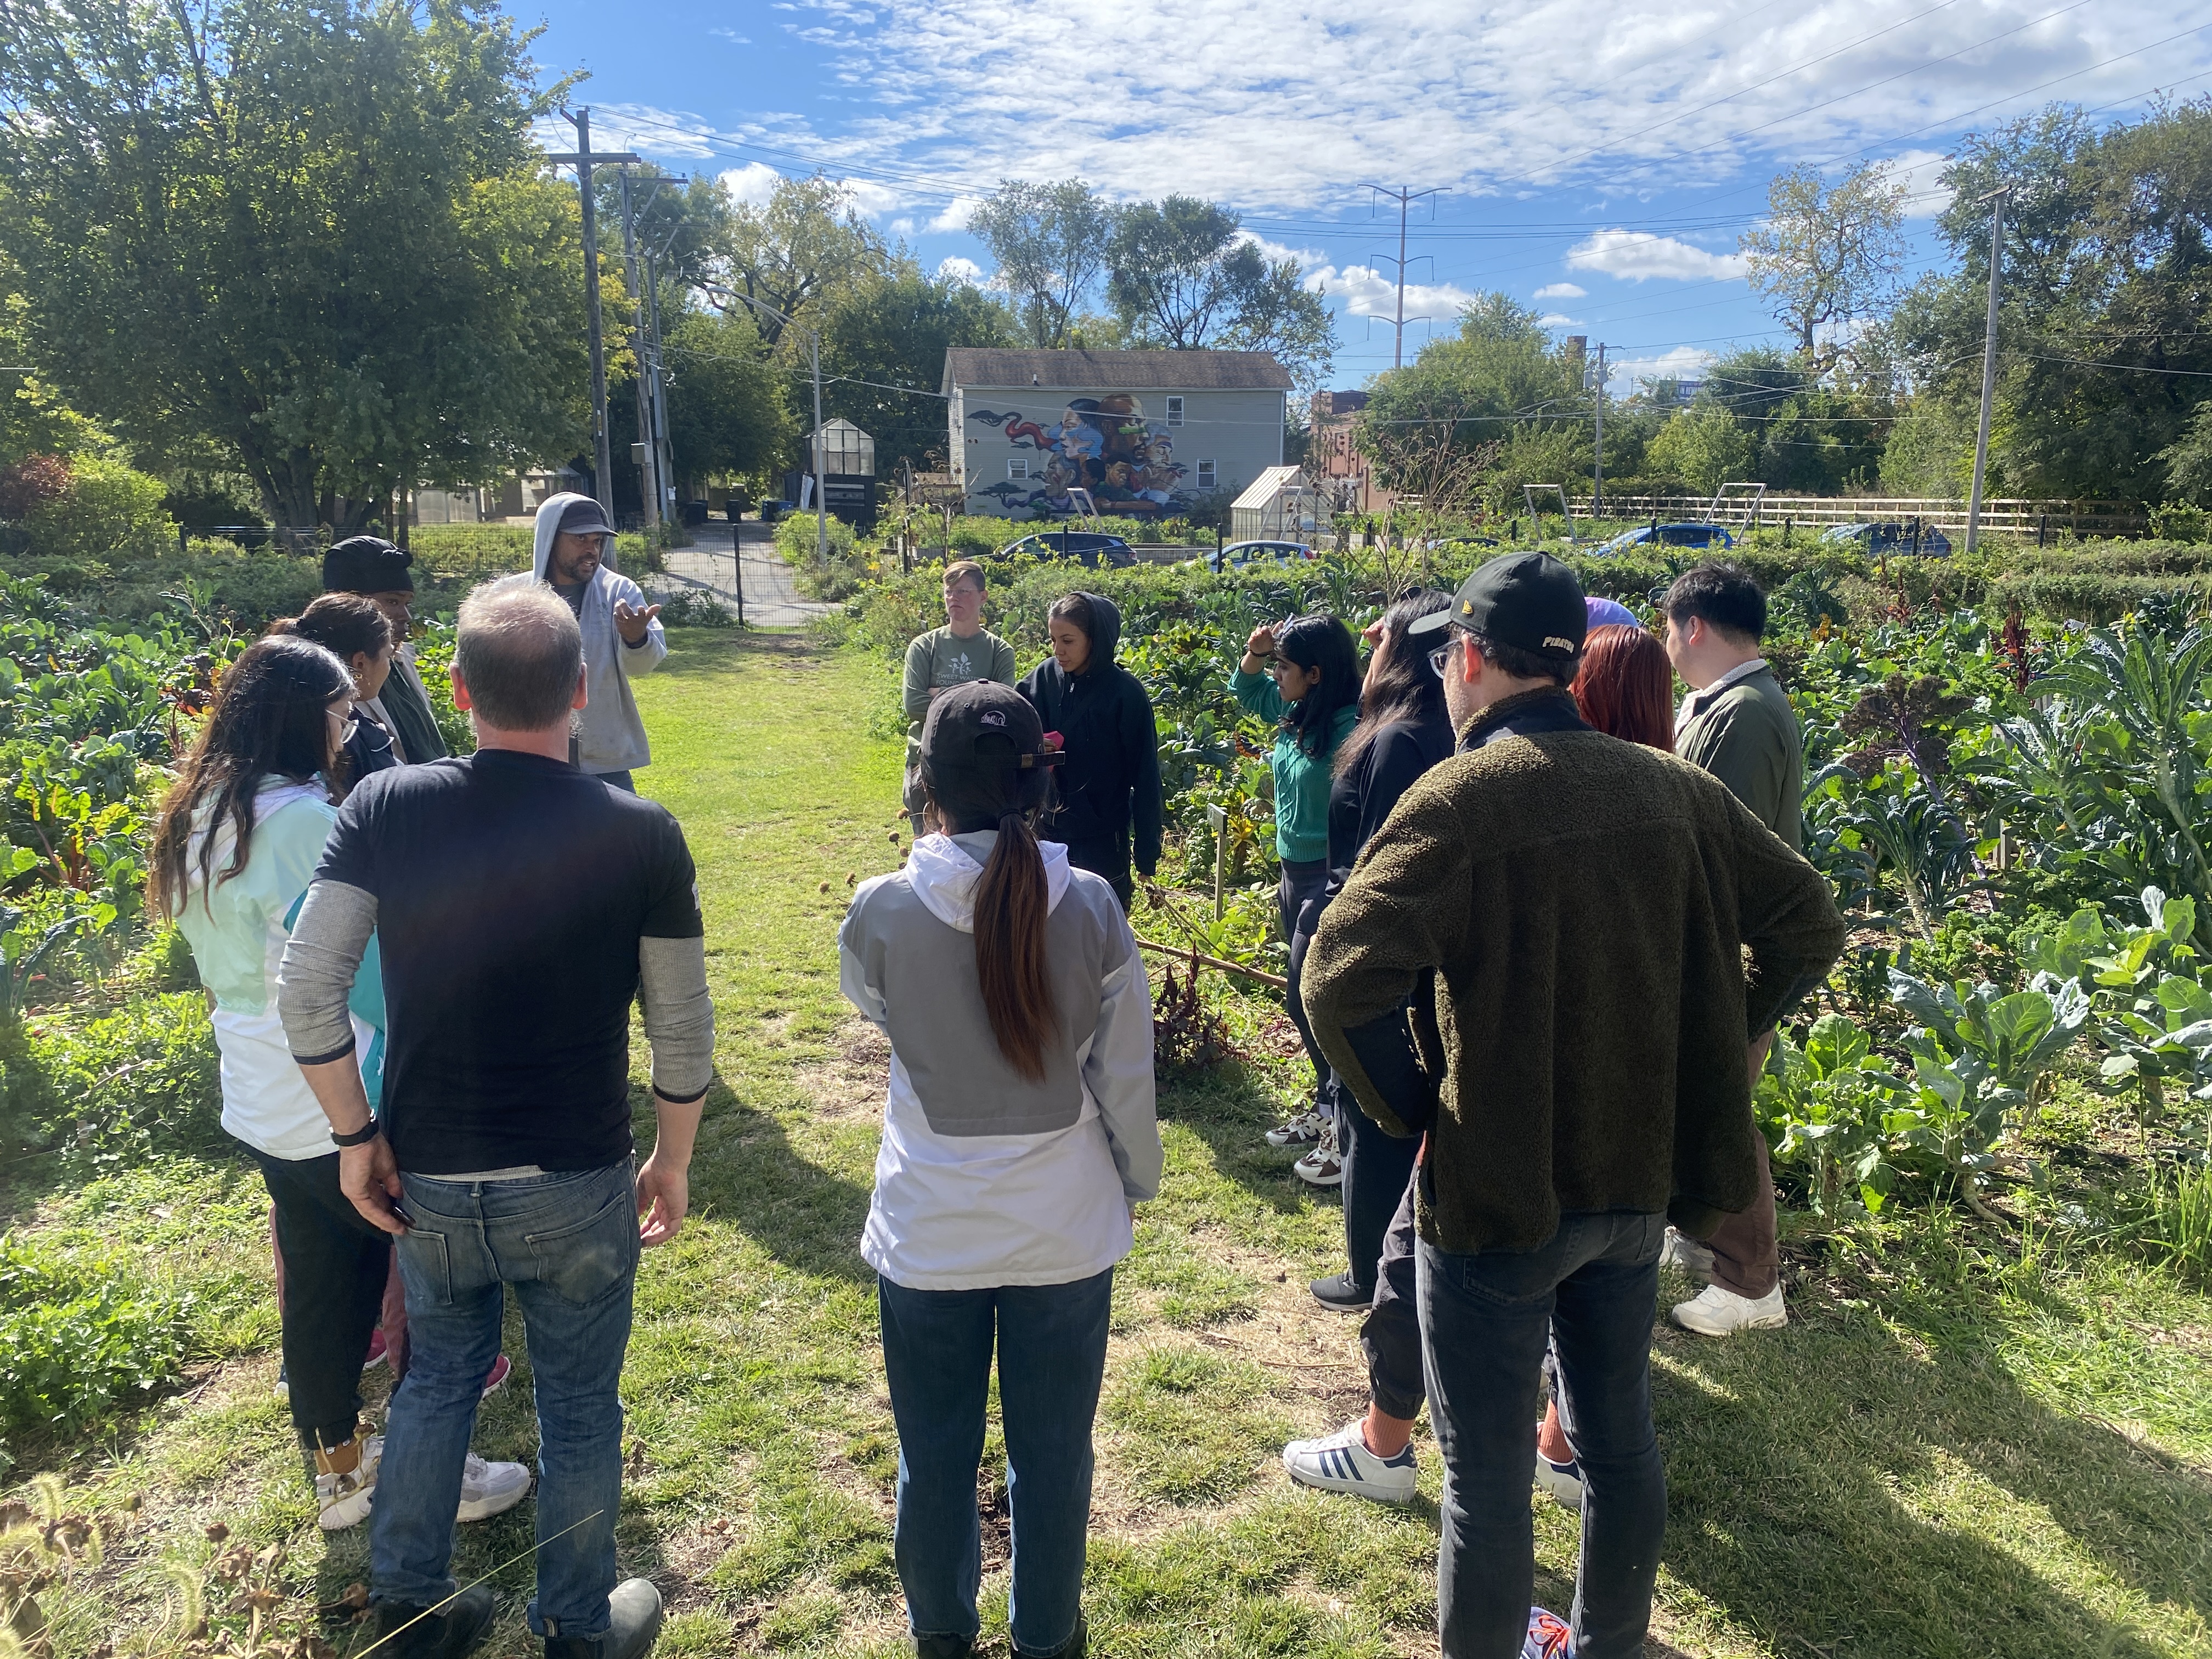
622	636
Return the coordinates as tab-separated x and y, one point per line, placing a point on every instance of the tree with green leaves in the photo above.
796	251
1182	274
729	408
1497	371
883	339
1049	243
319	235
1827	256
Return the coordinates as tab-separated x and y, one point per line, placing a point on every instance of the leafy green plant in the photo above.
79	1333
1977	1054
1827	1106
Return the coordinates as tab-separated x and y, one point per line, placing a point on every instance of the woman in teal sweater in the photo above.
1302	674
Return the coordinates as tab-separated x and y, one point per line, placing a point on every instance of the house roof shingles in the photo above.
1116	371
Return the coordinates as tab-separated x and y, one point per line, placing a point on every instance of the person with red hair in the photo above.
1626	686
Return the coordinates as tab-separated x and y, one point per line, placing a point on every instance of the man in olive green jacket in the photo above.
1737	724
1585	905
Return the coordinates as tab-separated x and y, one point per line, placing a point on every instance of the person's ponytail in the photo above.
1012	903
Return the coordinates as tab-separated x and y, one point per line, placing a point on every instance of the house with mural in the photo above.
1037	435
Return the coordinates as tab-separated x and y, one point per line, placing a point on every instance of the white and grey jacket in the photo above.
609	735
985	1177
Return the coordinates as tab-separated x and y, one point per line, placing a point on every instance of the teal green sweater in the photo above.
1301	781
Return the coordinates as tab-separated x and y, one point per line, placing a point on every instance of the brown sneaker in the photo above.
345	1479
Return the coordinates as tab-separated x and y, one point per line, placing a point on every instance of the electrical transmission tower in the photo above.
1405	198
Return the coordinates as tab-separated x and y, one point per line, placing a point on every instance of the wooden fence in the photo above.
2018	517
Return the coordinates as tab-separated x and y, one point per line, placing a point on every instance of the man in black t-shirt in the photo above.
521	906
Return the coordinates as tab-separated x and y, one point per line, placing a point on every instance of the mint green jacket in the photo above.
1302	780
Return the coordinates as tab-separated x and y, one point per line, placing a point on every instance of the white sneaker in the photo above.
1562	1480
1685	1255
1304	1130
1716	1312
489	1489
1341	1463
1324	1165
345	1481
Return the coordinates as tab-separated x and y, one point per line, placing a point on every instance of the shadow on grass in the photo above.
715	652
1827	1490
1229	1109
806	1216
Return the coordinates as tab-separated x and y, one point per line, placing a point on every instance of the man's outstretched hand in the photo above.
631	622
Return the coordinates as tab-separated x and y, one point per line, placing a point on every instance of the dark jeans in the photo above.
1052	1355
568	1243
1299	899
1109	858
335	1264
1390	1336
1378	1169
1485	1319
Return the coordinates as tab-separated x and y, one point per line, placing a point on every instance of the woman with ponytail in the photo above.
1019	1135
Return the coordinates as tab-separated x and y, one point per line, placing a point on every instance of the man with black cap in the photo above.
1584	903
623	637
378	571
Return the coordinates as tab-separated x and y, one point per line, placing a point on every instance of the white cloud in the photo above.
1306	260
731	36
1557	319
752	184
1562	291
1193	97
957	269
1367	292
873	200
901	226
1919	171
957	213
1634	255
1625	375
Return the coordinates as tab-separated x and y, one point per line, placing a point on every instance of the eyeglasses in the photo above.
1440	660
349	723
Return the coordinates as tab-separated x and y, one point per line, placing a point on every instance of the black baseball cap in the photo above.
982	727
585	518
1529	601
367	564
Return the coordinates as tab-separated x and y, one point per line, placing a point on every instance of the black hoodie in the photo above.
1110	784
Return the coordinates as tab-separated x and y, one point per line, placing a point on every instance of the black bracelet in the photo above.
359	1136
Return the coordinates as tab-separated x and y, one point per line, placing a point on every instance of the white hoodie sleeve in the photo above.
851	973
1119	1074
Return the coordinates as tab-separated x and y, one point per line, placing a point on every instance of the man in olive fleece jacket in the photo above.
1585	904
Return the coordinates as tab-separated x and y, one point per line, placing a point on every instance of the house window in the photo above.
1019	468
1206	475
1174	411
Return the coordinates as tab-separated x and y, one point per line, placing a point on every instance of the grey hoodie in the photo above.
611	738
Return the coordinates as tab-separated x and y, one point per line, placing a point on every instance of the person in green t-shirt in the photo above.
961	651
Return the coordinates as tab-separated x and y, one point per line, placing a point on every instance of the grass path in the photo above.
1950	1451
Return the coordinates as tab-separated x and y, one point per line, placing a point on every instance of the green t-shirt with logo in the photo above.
941	657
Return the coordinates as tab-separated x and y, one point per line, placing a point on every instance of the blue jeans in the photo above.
568	1243
1051	1357
1593	1287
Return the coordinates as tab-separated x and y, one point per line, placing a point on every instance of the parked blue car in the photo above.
1669	535
1893	537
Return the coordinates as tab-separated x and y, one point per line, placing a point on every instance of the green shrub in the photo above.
109	1091
798	540
107	510
79	1333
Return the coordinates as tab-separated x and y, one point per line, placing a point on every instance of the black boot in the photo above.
943	1647
633	1626
458	1627
1075	1647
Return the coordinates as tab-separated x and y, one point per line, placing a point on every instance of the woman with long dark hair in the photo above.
1302	675
237	841
355	631
1019	1135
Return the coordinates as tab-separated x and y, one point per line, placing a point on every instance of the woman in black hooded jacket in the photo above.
1108	787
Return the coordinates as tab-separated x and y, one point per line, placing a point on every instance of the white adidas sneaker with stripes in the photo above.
1341	1463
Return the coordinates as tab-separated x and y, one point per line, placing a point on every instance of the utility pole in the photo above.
1405	198
1597	476
658	381
648	470
1995	199
582	158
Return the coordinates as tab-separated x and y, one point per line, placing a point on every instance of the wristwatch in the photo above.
359	1137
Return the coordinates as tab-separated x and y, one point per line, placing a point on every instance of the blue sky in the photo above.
1600	158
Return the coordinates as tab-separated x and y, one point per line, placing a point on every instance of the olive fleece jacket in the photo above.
1586	904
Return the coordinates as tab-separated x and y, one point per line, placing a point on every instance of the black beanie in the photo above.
367	564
